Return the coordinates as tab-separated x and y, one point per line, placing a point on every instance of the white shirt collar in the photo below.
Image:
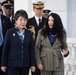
11	18
37	19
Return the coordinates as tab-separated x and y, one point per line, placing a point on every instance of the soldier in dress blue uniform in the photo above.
4	26
8	9
18	51
46	13
37	22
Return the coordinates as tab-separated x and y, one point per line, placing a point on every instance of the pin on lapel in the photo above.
13	34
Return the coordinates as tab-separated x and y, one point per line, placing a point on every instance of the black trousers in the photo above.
18	71
1	48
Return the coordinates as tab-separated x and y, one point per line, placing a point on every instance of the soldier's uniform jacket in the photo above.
32	22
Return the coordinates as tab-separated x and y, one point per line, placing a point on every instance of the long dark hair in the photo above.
57	27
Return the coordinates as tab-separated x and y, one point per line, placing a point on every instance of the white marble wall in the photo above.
70	61
20	4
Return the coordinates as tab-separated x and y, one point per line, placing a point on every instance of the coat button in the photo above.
22	51
21	46
22	56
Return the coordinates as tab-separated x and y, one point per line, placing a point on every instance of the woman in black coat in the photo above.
18	51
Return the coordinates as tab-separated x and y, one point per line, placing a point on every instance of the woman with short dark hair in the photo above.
18	51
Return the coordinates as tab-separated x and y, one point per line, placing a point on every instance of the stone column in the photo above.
20	4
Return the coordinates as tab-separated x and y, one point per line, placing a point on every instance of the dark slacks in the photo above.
1	48
18	71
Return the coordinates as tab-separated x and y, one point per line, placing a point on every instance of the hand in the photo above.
66	53
32	68
3	68
40	66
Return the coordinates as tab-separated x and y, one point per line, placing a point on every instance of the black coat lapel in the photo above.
3	21
34	22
